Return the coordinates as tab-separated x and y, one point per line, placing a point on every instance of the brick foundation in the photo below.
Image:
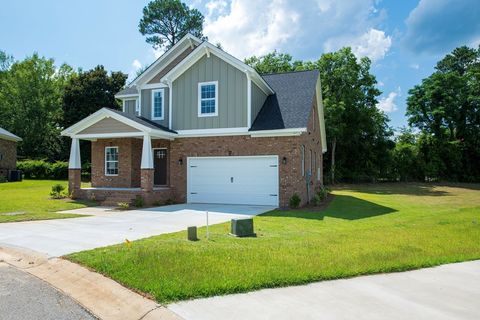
74	182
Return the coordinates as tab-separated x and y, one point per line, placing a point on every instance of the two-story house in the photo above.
201	126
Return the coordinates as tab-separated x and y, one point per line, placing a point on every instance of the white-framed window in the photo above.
111	161
208	99
158	104
303	160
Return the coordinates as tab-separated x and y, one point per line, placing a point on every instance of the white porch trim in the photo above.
147	155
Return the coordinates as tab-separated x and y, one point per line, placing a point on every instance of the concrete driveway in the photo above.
63	236
446	292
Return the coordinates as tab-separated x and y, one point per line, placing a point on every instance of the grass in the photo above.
30	200
366	229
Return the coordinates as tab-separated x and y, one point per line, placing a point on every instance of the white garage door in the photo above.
233	180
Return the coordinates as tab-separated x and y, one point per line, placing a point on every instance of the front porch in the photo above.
131	160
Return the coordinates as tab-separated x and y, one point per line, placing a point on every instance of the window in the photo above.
111	161
303	160
157	104
314	161
208	99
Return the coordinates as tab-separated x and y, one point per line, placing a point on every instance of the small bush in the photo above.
295	201
41	169
123	205
57	191
316	200
3	179
138	202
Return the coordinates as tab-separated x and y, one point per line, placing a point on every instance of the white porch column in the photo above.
147	156
74	161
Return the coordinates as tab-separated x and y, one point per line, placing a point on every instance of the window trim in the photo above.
106	161
199	99
153	104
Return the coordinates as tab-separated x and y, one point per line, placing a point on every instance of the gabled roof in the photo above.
292	102
6	135
141	124
206	48
187	40
129	91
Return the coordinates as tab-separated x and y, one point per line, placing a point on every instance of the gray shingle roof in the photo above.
144	121
128	90
4	134
291	104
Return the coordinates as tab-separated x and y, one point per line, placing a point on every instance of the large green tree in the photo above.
165	22
358	135
89	91
446	108
30	105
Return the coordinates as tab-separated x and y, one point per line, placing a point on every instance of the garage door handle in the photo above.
193	166
273	195
193	193
231	179
273	165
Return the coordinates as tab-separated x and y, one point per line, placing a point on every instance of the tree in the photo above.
167	21
30	105
446	108
6	61
357	132
87	92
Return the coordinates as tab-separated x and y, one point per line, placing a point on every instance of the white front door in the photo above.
233	180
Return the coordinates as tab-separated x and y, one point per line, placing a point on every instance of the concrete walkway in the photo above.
445	292
63	236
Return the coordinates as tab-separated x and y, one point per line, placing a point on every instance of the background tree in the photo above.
30	105
167	21
445	107
6	61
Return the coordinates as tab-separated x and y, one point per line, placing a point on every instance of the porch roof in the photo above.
139	127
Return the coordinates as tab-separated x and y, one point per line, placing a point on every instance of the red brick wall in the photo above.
8	156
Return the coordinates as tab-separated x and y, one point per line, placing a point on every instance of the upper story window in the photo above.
157	104
208	99
111	161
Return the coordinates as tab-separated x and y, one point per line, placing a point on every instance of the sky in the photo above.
404	39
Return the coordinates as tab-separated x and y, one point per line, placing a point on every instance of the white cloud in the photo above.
136	64
387	104
305	30
373	44
415	66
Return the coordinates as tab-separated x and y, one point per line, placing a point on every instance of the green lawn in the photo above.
366	229
30	200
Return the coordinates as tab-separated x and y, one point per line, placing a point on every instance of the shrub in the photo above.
3	179
138	202
41	169
123	205
59	170
295	201
57	191
169	202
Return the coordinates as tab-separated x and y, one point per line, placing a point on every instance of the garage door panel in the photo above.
236	180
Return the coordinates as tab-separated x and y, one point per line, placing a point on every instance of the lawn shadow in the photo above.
341	207
411	189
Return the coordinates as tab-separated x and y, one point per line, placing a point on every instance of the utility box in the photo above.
192	233
242	228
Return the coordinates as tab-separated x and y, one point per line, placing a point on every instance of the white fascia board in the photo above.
212	132
105	113
278	132
208	48
10	137
320	113
127	96
186	40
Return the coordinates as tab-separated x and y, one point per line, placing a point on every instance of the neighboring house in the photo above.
8	152
199	125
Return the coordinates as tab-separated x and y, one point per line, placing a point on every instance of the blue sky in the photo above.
403	38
